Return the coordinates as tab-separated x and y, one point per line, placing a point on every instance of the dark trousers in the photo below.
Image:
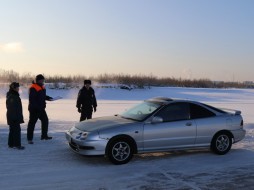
14	139
86	113
33	117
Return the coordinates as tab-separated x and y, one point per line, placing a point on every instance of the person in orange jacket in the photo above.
36	107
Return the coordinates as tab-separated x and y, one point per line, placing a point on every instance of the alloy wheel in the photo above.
121	151
222	142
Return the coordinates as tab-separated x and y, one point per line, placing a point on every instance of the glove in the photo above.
79	110
94	109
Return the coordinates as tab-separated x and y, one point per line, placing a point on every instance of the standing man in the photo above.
36	107
14	116
86	101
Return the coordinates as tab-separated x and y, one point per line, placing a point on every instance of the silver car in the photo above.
158	124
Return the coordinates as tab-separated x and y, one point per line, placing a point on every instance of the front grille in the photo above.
74	146
86	147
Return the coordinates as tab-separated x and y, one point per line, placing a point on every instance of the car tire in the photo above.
221	143
120	151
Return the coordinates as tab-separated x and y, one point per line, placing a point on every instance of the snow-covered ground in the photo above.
52	165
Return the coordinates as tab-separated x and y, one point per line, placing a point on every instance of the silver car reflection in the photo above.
158	124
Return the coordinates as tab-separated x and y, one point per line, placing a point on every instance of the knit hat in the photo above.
14	85
39	77
87	82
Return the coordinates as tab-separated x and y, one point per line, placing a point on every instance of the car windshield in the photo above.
140	111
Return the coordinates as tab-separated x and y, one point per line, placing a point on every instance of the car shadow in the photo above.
235	154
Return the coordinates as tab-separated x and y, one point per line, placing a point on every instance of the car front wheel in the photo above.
221	143
120	151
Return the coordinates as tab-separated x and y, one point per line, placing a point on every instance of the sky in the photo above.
188	39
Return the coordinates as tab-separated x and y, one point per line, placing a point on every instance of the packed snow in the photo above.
52	165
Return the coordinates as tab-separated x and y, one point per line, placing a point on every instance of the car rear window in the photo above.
197	111
213	108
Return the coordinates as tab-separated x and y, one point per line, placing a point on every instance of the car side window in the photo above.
175	112
197	112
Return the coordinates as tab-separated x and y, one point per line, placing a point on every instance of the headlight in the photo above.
77	134
72	130
83	135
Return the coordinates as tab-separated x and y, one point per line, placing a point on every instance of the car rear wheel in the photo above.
221	143
120	151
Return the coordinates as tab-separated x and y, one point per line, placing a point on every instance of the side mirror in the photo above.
157	119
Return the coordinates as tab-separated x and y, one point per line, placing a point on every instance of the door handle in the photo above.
188	124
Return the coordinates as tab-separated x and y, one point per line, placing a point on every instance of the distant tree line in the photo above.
150	80
140	80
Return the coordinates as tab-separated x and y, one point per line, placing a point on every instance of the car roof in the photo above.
166	100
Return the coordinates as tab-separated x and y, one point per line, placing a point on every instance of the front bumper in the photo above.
86	147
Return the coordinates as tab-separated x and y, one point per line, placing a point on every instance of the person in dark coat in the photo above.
36	107
86	101
14	116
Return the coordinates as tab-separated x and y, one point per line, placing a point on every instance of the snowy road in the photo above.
52	165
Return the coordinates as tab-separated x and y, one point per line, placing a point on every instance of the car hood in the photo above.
102	123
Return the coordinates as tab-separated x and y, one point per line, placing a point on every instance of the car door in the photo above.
175	131
207	124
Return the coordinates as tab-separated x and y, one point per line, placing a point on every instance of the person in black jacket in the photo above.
14	116
86	101
36	107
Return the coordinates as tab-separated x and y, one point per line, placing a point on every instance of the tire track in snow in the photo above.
168	176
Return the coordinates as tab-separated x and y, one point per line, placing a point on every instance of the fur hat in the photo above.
14	85
39	77
87	82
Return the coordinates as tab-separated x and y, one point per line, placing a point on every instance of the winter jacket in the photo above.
14	108
86	98
37	98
